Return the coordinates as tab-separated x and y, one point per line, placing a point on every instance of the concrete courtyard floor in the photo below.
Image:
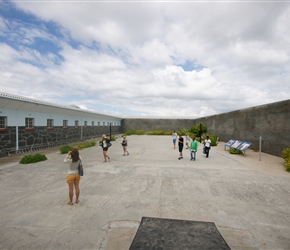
247	199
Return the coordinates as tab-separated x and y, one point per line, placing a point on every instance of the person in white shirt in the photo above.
174	138
187	141
105	145
207	143
73	178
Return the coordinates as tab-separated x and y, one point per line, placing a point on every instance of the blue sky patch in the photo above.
190	66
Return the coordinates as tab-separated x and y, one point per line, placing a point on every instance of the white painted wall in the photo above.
17	118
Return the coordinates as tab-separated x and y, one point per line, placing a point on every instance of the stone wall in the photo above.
270	121
155	124
41	137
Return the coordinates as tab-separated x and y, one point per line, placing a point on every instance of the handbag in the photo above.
109	144
80	168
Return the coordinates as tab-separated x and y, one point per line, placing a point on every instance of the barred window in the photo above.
29	122
99	124
93	123
85	123
65	123
49	123
3	121
76	123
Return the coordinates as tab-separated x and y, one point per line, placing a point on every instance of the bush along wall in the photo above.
235	151
286	156
66	148
33	158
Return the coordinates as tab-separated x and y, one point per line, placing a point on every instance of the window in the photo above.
85	123
65	123
104	124
29	122
49	123
93	123
3	122
99	124
76	123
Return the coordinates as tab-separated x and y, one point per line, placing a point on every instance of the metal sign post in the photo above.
110	131
260	148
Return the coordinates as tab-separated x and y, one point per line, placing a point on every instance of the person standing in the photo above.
187	140
125	144
180	146
193	149
105	145
174	138
207	143
73	177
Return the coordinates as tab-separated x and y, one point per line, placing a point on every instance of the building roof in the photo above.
14	102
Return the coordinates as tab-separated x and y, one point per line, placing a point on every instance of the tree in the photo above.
198	129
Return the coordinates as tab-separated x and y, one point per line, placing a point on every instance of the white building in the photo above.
26	123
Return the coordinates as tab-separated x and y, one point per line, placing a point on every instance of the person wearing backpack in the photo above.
105	144
124	144
73	177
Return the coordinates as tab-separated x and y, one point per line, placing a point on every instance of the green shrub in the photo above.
198	128
65	149
213	139
158	132
113	138
135	132
286	156
235	151
130	132
183	132
87	144
286	153
287	165
33	158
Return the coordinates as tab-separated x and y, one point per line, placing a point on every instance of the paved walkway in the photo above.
247	199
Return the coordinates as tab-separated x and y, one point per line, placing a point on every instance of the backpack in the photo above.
80	168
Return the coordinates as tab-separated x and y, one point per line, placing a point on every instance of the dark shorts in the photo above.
180	148
105	149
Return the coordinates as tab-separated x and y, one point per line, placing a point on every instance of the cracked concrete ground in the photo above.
247	199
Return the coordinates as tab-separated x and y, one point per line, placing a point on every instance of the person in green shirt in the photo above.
193	149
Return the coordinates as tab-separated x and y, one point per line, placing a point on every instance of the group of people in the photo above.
105	144
193	145
74	160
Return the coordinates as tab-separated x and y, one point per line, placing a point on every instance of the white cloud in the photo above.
128	58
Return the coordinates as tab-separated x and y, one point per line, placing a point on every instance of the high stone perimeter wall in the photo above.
270	121
155	124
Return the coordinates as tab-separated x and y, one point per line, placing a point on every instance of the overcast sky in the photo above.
147	58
